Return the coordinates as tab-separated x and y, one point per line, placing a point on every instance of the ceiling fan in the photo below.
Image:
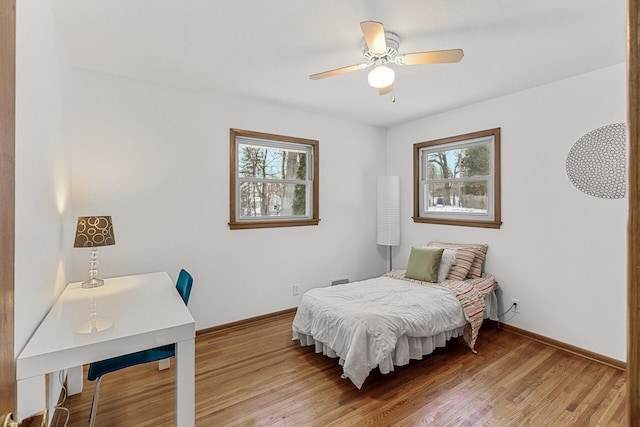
380	48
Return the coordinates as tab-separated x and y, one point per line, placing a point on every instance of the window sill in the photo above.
458	222
243	225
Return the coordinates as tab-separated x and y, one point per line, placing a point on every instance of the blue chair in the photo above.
98	369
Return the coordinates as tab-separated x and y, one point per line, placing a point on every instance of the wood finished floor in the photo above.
258	376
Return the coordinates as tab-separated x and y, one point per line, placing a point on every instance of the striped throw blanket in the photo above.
470	293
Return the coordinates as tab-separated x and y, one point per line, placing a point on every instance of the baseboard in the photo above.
609	361
246	322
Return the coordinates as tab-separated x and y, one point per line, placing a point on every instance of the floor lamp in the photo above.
388	213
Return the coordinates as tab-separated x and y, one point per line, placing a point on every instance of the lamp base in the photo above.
95	325
94	282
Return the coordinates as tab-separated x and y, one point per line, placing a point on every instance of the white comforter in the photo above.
362	321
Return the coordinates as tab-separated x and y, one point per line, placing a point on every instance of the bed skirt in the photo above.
491	307
407	348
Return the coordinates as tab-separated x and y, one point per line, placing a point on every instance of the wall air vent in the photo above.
339	281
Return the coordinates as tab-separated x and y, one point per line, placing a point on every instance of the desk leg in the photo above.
31	396
185	383
74	380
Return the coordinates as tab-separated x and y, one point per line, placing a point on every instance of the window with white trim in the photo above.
457	180
274	180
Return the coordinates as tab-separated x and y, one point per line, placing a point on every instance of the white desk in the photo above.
145	311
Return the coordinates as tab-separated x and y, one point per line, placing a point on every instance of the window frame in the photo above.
455	218
271	140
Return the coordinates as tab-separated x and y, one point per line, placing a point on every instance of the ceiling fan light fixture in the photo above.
380	48
381	76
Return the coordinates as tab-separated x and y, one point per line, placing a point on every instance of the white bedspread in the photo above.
362	321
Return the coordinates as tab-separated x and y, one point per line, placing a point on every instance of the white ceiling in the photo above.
268	49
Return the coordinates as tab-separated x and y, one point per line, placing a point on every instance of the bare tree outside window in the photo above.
273	183
457	180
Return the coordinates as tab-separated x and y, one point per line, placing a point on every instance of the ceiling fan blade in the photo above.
338	71
373	33
433	57
385	90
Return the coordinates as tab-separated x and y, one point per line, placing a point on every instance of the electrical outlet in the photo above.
296	289
516	308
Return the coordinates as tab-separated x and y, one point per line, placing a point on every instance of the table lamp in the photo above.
91	232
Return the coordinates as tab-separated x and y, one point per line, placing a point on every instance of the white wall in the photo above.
43	161
560	251
156	159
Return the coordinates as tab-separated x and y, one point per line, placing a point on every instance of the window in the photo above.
457	180
274	180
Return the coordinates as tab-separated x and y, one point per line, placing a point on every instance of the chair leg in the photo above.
94	404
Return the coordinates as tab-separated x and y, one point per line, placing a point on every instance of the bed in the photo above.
389	320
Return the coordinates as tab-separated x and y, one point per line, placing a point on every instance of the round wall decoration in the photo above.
596	164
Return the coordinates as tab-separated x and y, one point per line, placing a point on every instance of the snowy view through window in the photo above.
458	180
273	181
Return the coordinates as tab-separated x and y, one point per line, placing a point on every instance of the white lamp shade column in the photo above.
388	211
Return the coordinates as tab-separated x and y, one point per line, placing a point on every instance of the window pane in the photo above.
271	163
476	161
260	199
274	180
465	196
444	164
459	163
457	180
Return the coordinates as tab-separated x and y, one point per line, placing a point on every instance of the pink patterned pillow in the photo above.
479	254
464	259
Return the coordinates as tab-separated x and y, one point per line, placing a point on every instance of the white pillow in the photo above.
446	262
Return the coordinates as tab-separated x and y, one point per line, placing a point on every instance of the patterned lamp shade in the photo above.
388	211
93	231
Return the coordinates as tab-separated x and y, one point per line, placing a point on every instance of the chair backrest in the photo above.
183	285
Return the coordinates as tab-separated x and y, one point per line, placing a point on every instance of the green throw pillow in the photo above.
423	264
